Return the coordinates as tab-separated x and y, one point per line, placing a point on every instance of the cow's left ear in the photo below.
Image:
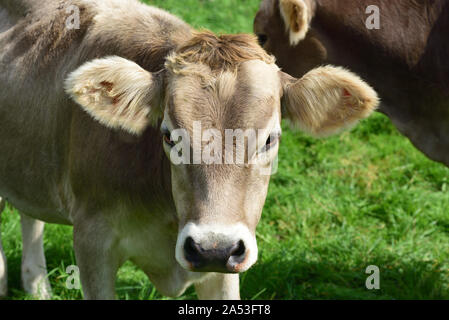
326	100
297	15
118	93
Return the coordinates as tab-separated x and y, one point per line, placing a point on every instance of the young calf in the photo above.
96	128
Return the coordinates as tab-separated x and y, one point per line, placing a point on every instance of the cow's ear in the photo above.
118	93
326	100
296	15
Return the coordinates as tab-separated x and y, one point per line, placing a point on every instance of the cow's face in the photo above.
282	27
232	119
220	100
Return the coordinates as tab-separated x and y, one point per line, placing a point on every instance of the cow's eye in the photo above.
262	39
272	140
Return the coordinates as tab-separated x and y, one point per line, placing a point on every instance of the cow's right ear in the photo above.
296	15
118	93
326	100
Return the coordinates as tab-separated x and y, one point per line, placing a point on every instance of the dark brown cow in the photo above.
406	59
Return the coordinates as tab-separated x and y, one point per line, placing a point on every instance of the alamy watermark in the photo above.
206	147
73	21
73	280
373	20
373	281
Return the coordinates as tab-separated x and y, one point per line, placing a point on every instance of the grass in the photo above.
335	206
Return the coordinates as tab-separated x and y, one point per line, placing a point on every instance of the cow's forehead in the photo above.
245	98
261	78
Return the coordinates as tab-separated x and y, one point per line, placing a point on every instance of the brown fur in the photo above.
405	60
42	37
31	63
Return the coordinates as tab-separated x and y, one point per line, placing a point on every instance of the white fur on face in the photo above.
262	77
207	235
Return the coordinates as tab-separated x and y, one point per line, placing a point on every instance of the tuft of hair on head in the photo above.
218	52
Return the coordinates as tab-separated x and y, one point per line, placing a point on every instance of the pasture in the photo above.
335	206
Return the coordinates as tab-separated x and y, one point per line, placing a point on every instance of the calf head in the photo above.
213	87
283	29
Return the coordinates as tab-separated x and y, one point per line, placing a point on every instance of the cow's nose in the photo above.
224	259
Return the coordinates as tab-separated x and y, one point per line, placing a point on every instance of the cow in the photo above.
89	111
404	57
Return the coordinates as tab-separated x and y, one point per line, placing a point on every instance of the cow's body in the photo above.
104	164
405	60
35	60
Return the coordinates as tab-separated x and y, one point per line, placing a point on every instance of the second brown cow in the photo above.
405	58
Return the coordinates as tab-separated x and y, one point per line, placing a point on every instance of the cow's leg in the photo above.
97	258
3	268
34	268
219	287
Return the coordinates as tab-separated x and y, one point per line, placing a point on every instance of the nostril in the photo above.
192	250
239	249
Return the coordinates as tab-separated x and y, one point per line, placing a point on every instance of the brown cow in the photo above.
96	117
406	59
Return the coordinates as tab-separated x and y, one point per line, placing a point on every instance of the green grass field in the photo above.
335	206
